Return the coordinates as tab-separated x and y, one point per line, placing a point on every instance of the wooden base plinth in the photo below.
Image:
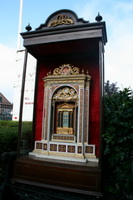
77	177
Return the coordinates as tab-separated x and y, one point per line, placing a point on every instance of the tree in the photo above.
110	88
118	139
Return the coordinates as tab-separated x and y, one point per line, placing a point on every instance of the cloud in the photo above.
118	51
7	68
118	55
119	61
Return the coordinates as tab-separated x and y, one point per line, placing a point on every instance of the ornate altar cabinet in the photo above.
65	123
68	106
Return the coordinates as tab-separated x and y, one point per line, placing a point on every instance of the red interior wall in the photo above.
41	73
94	120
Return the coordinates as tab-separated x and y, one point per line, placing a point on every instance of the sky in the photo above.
118	15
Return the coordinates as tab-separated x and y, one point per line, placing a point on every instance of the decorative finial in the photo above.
82	71
98	18
28	27
49	73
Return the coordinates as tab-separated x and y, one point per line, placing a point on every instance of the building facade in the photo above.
5	108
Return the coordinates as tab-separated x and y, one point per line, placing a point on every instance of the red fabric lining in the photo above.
42	71
94	122
94	117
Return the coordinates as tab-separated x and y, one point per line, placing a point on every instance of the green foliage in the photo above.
110	88
9	136
118	140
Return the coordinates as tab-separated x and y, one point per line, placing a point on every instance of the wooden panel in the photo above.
62	174
63	37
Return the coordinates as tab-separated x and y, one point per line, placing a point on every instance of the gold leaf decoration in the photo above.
66	69
65	94
60	20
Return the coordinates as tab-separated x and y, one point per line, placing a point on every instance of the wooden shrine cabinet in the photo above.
68	105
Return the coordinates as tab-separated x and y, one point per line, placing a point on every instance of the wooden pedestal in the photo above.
60	175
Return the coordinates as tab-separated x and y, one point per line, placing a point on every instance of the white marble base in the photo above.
83	160
57	157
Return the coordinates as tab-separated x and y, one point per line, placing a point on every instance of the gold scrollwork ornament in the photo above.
65	94
60	20
66	69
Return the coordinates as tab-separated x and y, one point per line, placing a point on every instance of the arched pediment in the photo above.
62	18
66	106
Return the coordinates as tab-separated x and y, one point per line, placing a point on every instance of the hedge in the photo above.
8	138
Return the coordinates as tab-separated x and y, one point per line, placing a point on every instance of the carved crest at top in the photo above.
60	20
66	69
65	94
